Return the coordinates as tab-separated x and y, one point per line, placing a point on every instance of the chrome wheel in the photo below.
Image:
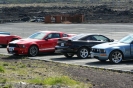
69	55
83	53
116	57
33	51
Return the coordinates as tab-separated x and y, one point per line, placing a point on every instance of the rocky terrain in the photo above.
92	14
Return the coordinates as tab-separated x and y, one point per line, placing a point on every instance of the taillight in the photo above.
68	43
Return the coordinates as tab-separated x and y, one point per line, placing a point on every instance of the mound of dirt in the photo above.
92	14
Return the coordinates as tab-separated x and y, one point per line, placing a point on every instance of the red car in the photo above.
5	38
39	42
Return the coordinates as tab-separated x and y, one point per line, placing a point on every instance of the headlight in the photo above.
21	46
102	51
98	50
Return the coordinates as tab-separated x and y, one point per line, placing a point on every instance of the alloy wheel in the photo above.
83	53
33	51
116	56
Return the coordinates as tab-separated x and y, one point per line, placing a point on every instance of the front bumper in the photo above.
99	56
14	50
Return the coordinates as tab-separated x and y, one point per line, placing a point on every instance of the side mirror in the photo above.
47	39
111	40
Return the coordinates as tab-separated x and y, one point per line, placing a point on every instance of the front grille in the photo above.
12	45
98	50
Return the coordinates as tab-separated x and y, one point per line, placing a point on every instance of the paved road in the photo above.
114	31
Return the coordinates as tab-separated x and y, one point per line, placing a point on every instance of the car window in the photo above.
78	37
127	39
86	38
54	35
5	33
38	35
100	38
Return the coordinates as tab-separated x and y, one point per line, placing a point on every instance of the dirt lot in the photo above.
97	78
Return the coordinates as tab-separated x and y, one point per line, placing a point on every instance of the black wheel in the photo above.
68	55
33	51
83	53
116	56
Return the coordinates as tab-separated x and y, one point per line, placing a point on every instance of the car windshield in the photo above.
77	37
38	35
127	39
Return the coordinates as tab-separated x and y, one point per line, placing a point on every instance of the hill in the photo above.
93	13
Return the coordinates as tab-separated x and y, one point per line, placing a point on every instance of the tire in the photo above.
68	55
83	53
116	56
33	51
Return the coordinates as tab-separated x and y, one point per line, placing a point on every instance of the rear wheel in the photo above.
33	51
83	52
68	55
116	56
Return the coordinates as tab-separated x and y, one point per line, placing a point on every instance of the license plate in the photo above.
11	48
62	44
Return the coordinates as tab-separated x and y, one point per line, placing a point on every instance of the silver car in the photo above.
114	51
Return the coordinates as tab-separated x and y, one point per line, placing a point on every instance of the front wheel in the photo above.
68	55
116	56
83	52
33	51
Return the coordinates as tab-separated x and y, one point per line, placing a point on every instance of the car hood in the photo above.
24	41
108	45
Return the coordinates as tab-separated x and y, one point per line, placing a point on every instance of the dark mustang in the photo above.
80	44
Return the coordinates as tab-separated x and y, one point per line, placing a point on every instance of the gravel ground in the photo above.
99	78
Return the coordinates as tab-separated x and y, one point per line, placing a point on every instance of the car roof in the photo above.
89	34
51	31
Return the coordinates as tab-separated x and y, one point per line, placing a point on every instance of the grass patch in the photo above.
62	80
35	72
3	80
2	70
54	81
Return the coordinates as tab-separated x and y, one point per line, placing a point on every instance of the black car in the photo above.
80	44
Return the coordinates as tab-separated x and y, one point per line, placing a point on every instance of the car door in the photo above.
4	39
51	41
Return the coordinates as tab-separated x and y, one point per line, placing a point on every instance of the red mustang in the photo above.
6	37
40	42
